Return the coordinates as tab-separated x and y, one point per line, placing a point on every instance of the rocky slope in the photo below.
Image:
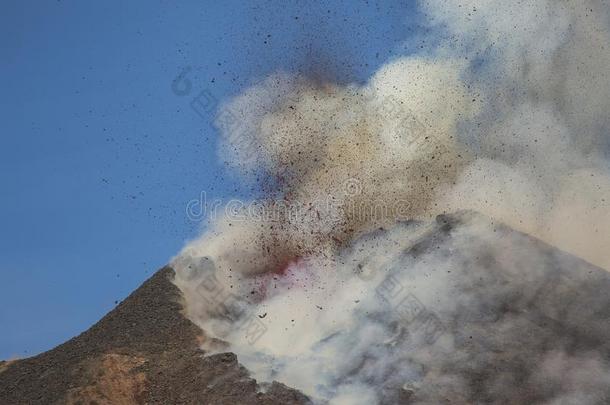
143	352
526	324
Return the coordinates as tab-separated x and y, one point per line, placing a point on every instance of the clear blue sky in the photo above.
99	157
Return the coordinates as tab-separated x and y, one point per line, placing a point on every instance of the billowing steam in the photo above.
542	140
339	284
348	159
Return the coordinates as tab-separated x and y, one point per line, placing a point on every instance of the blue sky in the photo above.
99	157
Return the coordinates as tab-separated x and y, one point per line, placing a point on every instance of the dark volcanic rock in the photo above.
144	351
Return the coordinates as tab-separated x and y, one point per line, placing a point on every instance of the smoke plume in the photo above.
506	116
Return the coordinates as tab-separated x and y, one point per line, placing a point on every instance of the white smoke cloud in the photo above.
461	312
391	140
507	117
545	86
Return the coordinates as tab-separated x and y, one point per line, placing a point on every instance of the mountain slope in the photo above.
520	322
144	351
457	310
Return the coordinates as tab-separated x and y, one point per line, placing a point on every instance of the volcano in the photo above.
142	352
525	323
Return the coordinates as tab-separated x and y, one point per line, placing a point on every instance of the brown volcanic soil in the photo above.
142	352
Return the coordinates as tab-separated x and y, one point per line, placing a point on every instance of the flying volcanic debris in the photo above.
342	284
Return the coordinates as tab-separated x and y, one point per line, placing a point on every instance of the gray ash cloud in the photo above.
507	116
